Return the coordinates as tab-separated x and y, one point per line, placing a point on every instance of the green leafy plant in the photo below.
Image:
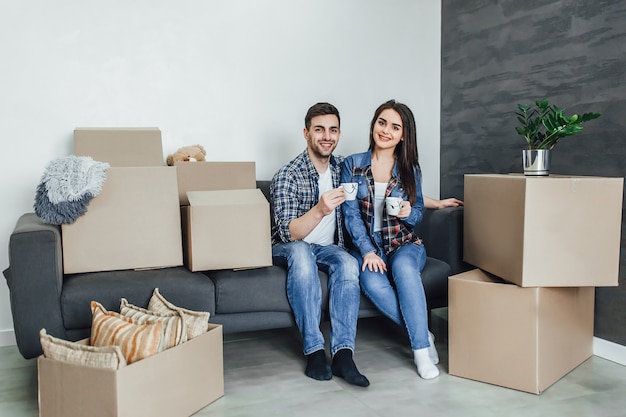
543	125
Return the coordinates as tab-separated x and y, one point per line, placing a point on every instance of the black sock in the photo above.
317	366
344	367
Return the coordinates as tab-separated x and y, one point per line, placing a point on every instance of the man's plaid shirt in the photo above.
294	192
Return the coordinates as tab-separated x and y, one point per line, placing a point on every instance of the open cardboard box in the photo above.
175	383
227	229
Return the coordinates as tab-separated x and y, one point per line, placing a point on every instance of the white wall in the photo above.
235	76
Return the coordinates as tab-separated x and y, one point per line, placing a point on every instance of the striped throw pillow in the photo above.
137	341
174	329
197	322
107	357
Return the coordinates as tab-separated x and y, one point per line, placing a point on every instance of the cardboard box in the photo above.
133	223
228	229
176	382
120	147
212	176
551	231
515	337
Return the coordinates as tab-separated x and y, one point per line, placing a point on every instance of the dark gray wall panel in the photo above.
496	54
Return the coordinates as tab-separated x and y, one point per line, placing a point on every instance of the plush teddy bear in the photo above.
186	154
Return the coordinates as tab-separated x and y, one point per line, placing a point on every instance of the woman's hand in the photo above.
374	262
449	202
405	210
431	203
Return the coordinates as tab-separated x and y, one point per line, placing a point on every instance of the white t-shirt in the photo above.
379	203
324	232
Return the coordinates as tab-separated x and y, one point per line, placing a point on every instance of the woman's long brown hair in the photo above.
406	151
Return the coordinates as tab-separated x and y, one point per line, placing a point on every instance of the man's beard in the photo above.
321	152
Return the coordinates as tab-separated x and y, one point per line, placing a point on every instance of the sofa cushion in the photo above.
442	233
250	290
435	280
264	289
191	290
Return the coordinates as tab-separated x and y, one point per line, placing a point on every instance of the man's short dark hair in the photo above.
320	109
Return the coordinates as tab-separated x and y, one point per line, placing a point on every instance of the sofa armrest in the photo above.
442	233
35	281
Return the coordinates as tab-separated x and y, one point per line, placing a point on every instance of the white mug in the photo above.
349	189
393	205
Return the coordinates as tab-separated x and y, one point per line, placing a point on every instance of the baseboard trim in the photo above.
610	351
7	338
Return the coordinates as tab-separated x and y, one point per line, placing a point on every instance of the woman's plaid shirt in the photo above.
395	232
359	214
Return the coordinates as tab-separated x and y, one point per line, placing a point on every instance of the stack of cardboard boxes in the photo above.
524	318
205	215
134	222
200	214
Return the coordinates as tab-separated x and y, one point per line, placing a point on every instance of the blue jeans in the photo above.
399	293
304	292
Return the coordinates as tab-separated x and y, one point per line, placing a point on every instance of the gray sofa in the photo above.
245	300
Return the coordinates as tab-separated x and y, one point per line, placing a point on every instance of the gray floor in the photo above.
263	374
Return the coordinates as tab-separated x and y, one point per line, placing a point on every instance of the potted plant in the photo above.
543	126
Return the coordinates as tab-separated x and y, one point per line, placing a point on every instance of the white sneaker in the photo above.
425	367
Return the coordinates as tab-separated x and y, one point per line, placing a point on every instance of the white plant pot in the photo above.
536	162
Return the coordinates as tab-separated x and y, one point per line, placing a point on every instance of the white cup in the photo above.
349	189
393	205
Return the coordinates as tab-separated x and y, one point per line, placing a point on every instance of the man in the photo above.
307	235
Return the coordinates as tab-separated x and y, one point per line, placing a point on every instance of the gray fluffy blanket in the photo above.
67	186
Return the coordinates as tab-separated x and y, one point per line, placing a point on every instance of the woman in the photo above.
390	255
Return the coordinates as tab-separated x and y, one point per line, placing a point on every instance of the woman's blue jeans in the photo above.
304	292
399	293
